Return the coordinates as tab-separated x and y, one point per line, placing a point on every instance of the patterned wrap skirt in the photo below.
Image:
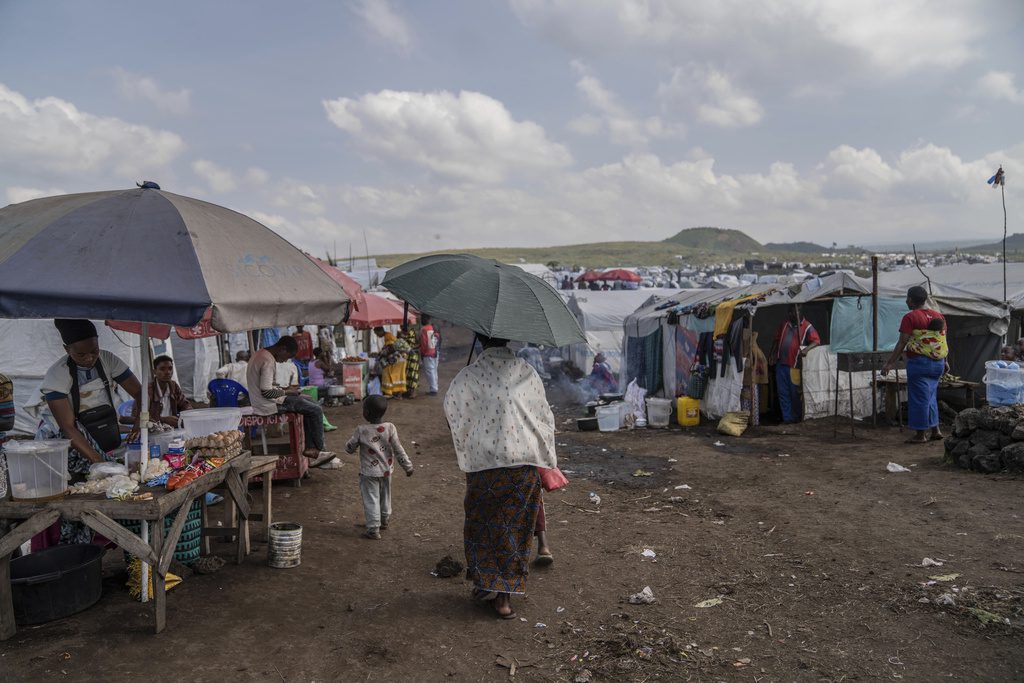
501	514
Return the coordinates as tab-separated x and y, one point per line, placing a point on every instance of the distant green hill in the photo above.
715	240
1014	242
693	245
796	247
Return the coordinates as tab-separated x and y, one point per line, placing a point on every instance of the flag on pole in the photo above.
998	179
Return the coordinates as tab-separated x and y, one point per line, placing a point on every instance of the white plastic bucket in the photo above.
659	412
608	418
285	547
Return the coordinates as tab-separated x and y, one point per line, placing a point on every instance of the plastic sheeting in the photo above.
601	316
852	321
723	393
819	387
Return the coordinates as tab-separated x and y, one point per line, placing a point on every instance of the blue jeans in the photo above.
923	375
789	394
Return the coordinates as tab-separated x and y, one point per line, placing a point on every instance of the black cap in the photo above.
72	330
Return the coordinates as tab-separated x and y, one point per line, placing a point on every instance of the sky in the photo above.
399	126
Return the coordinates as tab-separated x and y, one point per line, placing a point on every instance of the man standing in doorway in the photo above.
430	342
795	338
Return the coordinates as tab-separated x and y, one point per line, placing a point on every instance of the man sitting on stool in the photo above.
268	399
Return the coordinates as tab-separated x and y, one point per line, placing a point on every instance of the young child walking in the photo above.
378	447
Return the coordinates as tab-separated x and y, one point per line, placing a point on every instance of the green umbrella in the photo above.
491	298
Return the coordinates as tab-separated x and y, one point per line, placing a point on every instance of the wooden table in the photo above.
895	385
260	465
99	512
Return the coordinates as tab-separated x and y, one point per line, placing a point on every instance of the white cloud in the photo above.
622	127
256	176
889	37
137	86
469	136
16	195
51	135
999	85
712	96
385	22
218	178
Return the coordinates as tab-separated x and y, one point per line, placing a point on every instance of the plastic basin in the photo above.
56	582
204	421
659	412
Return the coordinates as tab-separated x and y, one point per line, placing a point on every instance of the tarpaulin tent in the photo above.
601	315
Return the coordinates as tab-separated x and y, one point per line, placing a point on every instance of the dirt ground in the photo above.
808	549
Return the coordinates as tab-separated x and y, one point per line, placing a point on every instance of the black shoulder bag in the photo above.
100	422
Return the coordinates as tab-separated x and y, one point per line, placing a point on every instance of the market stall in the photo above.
151	505
177	259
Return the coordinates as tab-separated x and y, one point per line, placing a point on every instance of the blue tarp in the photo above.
851	324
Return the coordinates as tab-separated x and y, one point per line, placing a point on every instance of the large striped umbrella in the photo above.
153	256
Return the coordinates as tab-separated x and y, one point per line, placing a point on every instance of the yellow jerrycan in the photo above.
688	411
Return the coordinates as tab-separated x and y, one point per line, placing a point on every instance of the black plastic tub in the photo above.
586	424
56	582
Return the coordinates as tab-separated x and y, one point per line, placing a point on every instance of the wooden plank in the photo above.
268	487
156	534
98	521
237	492
25	531
172	536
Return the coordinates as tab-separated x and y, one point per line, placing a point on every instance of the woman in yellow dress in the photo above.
393	366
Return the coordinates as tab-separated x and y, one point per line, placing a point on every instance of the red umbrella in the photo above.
351	287
620	274
589	276
373	310
200	330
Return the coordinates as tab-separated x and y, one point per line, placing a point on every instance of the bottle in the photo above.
154	450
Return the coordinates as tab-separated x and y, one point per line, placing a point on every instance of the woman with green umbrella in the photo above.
503	430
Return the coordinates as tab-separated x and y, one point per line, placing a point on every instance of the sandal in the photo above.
545	560
482	597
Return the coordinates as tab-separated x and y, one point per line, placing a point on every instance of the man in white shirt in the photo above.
269	398
287	375
235	371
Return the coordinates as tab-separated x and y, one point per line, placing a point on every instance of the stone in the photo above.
987	438
1004	424
1018	432
984	419
964	460
1013	457
966	422
954	448
988	463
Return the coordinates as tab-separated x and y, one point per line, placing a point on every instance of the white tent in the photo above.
601	315
540	270
28	349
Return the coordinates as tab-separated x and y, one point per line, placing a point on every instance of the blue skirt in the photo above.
923	375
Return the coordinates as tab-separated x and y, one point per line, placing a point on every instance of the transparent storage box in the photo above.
38	470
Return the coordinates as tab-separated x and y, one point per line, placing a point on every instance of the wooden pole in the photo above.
874	340
755	406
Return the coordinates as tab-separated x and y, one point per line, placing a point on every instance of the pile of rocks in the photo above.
988	439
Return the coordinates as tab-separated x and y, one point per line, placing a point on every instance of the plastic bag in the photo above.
635	398
734	424
552	479
135	579
101	470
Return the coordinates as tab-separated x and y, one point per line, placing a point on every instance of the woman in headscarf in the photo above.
923	337
503	430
